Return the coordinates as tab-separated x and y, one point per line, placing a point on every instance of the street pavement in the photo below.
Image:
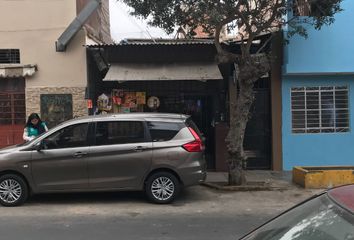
199	213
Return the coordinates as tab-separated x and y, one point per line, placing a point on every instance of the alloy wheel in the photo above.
162	188
10	191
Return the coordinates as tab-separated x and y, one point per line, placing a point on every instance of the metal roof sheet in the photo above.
148	42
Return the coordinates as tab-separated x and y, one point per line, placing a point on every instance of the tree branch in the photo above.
224	56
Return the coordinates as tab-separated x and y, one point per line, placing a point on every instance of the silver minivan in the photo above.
154	152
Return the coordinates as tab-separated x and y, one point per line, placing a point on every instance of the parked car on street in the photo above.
327	216
156	153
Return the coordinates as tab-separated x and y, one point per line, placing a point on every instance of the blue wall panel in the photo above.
316	149
330	50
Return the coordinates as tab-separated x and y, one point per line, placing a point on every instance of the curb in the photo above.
250	186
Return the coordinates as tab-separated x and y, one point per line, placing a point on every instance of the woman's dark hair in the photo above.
39	126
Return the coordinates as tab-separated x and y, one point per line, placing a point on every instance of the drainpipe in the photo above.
76	25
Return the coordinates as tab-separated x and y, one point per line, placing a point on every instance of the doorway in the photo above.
258	138
12	111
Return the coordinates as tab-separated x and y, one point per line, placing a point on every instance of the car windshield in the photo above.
317	219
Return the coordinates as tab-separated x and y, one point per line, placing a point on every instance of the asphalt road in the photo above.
200	213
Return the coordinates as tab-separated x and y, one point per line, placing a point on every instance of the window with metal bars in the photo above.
8	56
320	109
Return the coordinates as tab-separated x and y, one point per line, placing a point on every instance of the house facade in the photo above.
317	95
43	68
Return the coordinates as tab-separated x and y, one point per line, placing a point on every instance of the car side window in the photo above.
68	137
119	132
164	131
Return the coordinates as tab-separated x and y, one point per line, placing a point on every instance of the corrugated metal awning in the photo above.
17	70
149	72
155	42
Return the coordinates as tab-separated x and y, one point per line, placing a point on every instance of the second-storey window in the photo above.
320	109
8	56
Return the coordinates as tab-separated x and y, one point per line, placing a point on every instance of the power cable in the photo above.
132	20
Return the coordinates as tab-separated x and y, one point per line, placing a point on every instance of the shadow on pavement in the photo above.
188	195
95	197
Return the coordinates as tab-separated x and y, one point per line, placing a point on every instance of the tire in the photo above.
19	189
167	193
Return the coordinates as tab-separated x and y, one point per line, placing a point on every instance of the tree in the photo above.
251	18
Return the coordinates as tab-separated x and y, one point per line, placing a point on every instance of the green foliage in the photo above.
250	15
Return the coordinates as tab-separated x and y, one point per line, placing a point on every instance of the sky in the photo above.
125	26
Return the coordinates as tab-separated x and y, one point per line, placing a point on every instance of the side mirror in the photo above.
43	145
39	146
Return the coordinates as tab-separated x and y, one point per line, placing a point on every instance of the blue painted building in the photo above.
318	95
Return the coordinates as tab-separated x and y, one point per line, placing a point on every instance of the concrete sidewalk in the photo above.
272	179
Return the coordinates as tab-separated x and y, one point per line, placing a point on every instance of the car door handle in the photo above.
79	154
139	149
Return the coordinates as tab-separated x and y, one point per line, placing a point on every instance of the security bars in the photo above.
8	56
320	109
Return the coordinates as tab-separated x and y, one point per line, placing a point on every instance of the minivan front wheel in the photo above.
162	187
13	190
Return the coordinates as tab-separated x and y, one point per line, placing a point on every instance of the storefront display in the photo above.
153	103
104	103
121	101
141	98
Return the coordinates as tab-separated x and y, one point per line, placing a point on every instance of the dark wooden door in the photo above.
12	111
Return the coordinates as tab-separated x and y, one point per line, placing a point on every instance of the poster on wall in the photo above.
117	100
130	99
56	108
141	98
123	101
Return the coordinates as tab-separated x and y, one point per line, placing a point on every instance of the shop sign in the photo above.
89	103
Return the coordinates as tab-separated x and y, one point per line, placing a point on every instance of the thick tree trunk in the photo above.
241	99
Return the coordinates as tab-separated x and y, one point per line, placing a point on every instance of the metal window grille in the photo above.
320	109
8	56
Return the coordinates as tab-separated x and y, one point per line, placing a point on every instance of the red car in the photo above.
327	216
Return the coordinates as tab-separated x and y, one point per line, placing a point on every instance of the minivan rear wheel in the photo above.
13	190
162	187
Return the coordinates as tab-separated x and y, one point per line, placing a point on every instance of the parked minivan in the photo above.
156	153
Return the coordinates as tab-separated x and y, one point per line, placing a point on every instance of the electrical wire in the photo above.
132	20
